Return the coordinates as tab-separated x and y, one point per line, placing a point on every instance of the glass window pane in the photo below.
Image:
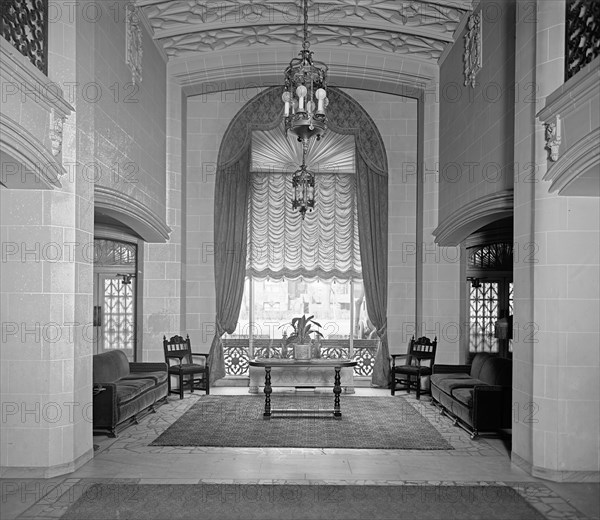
276	302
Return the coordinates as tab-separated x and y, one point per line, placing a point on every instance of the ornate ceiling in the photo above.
420	30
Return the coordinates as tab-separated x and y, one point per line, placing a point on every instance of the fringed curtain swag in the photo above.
324	245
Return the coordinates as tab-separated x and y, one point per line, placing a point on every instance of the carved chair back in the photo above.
177	348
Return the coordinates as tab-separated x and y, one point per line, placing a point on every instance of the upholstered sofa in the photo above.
477	396
124	390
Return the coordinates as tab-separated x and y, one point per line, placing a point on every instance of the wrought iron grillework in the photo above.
365	356
497	256
236	360
236	354
483	316
119	317
582	35
24	24
113	252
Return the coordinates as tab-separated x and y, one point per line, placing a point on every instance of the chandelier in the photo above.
303	182
305	101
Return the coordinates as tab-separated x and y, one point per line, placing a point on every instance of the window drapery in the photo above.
232	194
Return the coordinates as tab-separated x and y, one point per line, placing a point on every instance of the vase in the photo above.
302	351
316	350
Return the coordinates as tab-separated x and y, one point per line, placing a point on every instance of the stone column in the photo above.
556	373
46	287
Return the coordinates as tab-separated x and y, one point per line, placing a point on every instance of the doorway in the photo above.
115	296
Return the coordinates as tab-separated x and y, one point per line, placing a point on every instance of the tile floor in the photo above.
129	458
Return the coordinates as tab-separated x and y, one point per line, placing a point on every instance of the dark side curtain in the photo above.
230	237
372	203
348	117
232	188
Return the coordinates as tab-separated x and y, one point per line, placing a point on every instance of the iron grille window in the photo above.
582	38
24	24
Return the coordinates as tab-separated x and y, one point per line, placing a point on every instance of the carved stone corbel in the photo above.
56	132
552	135
133	42
472	57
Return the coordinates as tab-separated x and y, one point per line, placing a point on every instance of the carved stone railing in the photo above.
24	24
582	43
236	353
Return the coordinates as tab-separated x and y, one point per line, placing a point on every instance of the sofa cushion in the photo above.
449	386
109	367
437	378
132	388
479	361
464	396
158	377
497	371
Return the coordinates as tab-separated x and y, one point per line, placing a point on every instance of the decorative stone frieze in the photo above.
553	139
472	56
57	122
133	42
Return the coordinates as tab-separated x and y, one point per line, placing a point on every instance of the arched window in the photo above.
301	266
233	191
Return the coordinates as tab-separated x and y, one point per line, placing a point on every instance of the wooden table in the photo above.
269	363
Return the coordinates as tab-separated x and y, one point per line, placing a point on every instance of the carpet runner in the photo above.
306	502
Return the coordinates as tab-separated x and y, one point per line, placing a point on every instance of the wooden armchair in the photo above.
196	376
419	362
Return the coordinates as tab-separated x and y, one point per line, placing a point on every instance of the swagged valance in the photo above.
325	244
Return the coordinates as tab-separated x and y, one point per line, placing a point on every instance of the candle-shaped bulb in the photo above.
286	97
321	95
301	92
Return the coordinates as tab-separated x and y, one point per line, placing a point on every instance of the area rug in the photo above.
306	502
367	422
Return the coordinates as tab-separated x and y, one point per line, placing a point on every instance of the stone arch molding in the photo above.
470	217
26	162
132	213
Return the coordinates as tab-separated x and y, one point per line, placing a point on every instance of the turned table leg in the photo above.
337	390
268	391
